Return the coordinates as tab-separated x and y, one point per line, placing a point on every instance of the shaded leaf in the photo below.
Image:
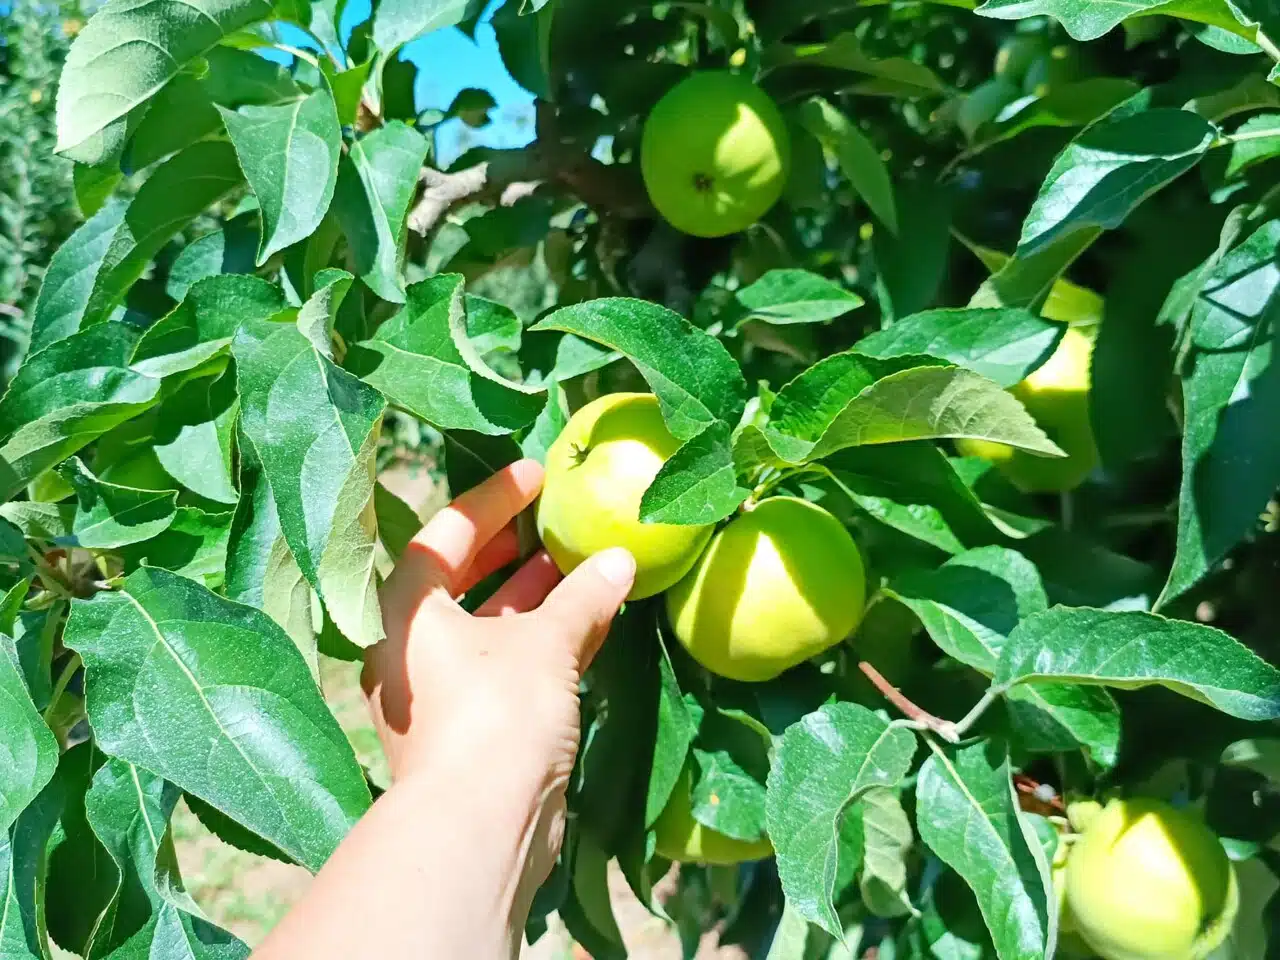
857	156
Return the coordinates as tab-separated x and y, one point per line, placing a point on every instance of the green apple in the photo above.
1147	881
779	584
1057	396
597	471
683	839
714	154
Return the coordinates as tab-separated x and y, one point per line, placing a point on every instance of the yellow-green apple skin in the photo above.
1056	394
778	585
596	473
683	839
714	154
1147	881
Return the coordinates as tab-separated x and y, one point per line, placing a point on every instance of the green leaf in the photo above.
81	879
231	248
31	752
697	485
202	325
1114	165
831	406
127	52
194	545
1255	140
858	157
912	488
968	815
971	603
376	183
398	522
824	766
22	861
197	430
91	275
1133	649
887	840
317	316
796	296
844	53
68	395
184	111
314	429
112	516
910	266
1083	19
472	458
969	606
129	809
396	22
422	360
289	154
94	187
678	720
164	654
73	270
261	570
1230	392
696	381
732	760
1003	345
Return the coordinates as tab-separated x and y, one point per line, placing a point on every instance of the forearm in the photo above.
432	871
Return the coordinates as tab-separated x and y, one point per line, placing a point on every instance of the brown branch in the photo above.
944	728
510	175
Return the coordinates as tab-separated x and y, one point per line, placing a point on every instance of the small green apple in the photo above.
779	584
714	154
597	471
683	839
1057	396
1147	881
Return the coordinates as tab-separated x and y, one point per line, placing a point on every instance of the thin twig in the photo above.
60	687
943	728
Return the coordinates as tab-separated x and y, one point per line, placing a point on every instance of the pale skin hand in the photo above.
479	718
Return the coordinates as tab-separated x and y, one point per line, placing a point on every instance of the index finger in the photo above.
442	552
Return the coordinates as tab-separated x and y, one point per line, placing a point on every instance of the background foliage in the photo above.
275	289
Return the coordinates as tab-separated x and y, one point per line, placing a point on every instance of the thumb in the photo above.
583	604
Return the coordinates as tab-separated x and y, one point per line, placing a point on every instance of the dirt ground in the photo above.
248	894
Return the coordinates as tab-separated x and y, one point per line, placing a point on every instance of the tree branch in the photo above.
943	728
510	175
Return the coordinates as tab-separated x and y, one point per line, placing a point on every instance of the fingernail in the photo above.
617	565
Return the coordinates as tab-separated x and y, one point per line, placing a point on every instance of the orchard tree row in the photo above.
922	355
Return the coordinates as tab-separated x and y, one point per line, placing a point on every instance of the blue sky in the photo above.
448	62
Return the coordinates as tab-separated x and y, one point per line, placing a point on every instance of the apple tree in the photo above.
994	288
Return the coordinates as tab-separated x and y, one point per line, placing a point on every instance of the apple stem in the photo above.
920	717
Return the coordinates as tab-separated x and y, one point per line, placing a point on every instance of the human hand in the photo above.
494	694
